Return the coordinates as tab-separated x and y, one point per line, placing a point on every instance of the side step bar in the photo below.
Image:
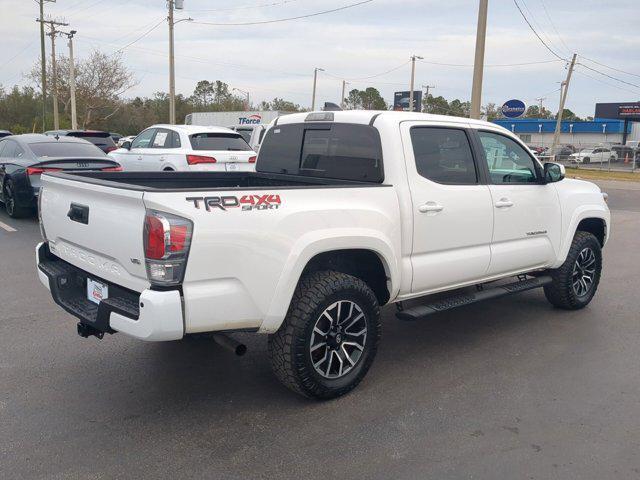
420	311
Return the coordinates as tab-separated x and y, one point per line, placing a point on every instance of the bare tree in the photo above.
100	80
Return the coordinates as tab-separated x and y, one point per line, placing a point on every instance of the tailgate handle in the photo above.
79	213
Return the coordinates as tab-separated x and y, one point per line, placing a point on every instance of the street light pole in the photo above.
344	91
172	72
413	80
315	83
478	65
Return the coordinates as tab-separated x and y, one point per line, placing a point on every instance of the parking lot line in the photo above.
6	227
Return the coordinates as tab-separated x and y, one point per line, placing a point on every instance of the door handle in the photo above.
430	207
504	203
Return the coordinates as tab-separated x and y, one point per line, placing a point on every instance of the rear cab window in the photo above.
340	151
219	141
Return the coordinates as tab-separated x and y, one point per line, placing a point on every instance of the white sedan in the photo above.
172	148
594	155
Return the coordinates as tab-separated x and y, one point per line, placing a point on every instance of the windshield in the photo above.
65	149
218	141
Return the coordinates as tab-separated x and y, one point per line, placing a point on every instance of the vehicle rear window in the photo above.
218	141
65	149
97	138
330	150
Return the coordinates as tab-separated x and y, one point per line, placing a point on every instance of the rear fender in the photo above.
318	242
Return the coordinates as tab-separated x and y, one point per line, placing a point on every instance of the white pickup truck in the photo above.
347	211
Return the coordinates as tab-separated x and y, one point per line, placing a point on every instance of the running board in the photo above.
420	311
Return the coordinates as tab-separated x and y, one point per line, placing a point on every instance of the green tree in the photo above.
369	99
204	92
280	105
437	105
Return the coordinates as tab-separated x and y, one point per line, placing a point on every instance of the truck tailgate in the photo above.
98	229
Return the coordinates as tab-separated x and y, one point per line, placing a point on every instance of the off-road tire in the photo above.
13	210
289	347
561	292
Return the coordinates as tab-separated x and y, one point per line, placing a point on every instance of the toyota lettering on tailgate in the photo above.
245	202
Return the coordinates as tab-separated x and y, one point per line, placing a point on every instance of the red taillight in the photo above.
167	239
154	247
199	159
253	159
38	171
111	149
112	169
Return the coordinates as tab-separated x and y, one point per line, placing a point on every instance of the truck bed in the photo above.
193	181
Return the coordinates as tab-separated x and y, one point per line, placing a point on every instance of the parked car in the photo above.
102	140
252	134
308	247
5	133
562	152
129	138
172	148
594	155
116	137
23	158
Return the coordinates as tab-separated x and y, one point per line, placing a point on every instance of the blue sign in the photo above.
513	108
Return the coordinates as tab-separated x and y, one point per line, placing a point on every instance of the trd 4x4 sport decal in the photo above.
245	202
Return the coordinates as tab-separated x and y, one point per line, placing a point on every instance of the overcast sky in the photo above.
278	59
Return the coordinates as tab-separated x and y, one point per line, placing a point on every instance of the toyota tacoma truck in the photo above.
347	211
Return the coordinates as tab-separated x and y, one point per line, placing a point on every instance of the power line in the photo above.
553	25
279	20
495	65
18	54
536	33
607	66
140	37
386	72
609	76
538	25
580	72
243	7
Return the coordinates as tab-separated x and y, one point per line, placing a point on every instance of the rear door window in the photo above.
218	141
443	155
330	150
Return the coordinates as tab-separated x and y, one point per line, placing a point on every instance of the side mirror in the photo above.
553	172
126	145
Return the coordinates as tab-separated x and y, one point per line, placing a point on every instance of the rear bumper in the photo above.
151	315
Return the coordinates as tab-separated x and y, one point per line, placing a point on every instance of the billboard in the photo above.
401	101
629	110
513	108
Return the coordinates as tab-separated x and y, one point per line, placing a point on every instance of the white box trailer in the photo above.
228	119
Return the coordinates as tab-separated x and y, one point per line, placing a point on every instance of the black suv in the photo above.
102	140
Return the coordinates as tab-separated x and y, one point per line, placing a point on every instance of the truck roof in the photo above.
366	116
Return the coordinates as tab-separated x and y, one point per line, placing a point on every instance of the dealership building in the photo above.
613	123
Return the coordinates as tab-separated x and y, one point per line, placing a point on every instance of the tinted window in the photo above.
97	138
65	149
218	141
246	134
331	150
443	155
508	162
7	148
144	139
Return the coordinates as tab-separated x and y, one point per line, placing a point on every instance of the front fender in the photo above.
322	241
581	213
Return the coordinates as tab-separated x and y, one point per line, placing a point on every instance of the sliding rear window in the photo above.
218	141
328	150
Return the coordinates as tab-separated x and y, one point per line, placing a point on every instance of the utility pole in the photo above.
53	32
564	88
43	64
315	83
72	81
540	108
427	88
413	80
172	71
344	92
478	65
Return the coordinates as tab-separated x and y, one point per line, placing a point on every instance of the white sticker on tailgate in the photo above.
97	291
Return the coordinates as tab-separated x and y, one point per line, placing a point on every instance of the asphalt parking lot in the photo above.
502	390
